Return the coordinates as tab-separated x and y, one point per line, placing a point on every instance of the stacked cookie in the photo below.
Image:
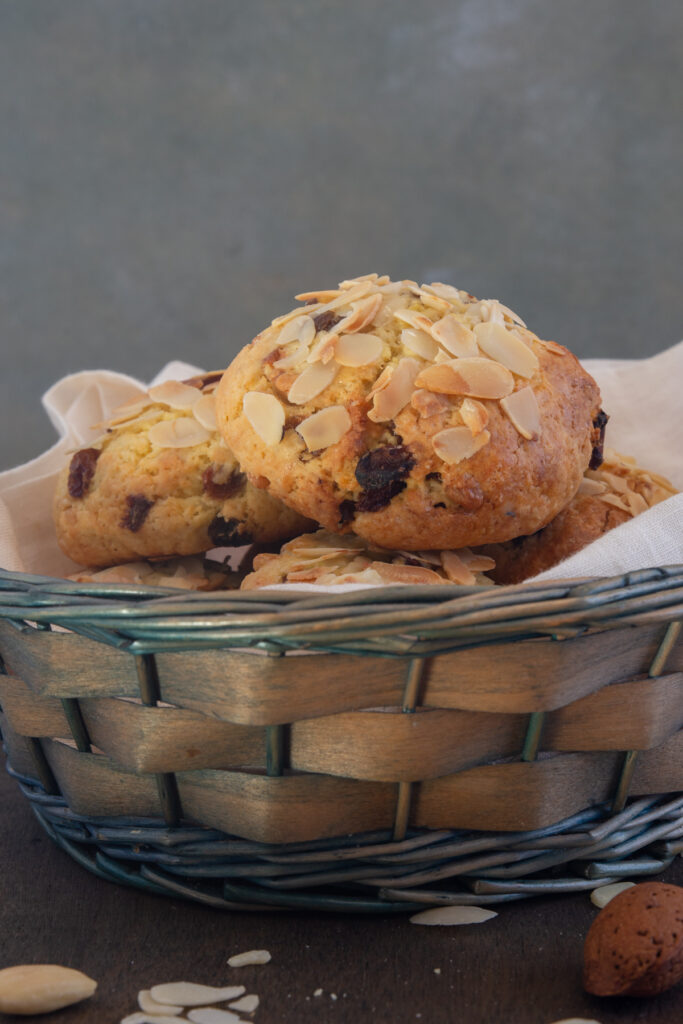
410	422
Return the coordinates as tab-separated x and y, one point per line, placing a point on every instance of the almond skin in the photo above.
635	945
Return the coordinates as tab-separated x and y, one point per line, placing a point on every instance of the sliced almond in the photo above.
129	410
636	502
358	349
247	1004
455	568
453	915
389	572
427	403
184	432
175	394
414	318
475	561
507	348
590	487
614	499
601	896
204	411
511	315
455	444
142	1017
419	342
266	415
296	354
522	410
476	378
311	382
444	291
252	956
324	295
381	382
434	301
151	1006
455	337
213	1015
474	415
296	330
280	321
188	993
348	297
323	349
553	347
617	483
362	314
388	402
324	428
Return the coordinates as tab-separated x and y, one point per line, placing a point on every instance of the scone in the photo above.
327	558
607	497
415	417
160	482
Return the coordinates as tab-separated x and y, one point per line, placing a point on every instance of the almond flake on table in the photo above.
601	896
252	956
212	1015
151	1006
151	1018
247	1004
187	993
453	915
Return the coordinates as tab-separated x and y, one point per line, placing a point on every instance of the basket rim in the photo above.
398	620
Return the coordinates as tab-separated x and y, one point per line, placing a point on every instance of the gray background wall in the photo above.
173	171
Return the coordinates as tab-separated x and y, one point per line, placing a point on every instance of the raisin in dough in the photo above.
416	417
160	482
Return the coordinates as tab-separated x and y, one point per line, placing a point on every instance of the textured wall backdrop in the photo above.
173	171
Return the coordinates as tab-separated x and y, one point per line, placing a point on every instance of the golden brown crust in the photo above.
618	490
424	496
132	495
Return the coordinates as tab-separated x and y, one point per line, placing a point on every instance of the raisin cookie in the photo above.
160	482
607	497
414	416
327	558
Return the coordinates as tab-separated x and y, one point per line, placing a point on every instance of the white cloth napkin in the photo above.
642	398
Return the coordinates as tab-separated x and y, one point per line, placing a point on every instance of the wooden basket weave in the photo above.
375	750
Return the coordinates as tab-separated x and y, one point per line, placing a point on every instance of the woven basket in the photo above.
378	750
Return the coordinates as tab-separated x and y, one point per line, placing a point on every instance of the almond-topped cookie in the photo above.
328	559
609	496
414	416
161	482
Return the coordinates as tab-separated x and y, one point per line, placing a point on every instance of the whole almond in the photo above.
635	945
40	988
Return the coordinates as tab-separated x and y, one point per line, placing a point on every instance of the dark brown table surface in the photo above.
522	967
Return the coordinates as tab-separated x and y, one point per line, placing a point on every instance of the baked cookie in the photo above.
160	482
185	573
416	417
327	558
607	497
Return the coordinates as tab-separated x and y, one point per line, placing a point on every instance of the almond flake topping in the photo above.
507	348
521	408
324	428
419	342
348	297
396	393
455	444
312	382
636	503
266	415
323	350
414	318
588	486
614	499
280	321
428	403
204	411
358	349
129	410
475	377
455	337
434	301
320	296
455	568
389	572
553	347
175	394
474	415
183	432
362	314
444	291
